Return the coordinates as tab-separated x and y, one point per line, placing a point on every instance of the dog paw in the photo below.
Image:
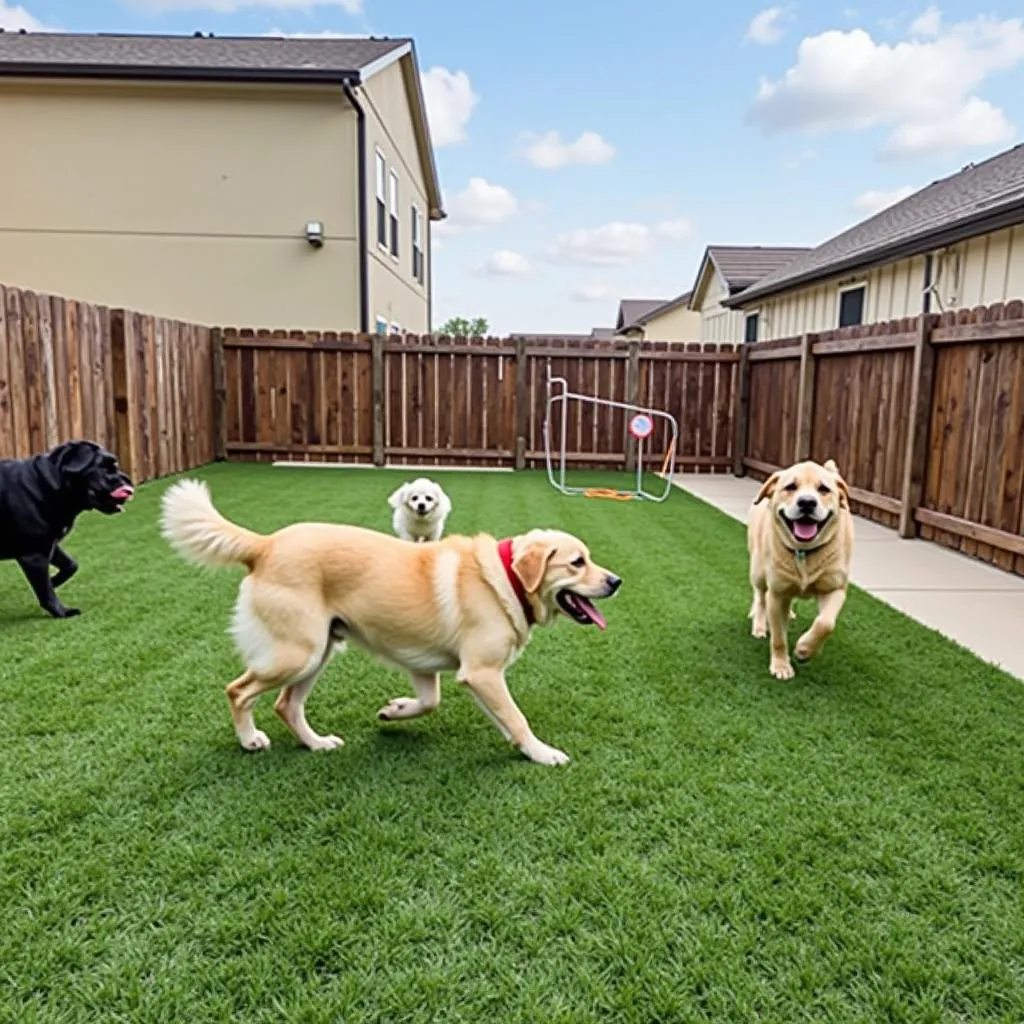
782	668
759	630
65	613
326	743
397	708
541	753
259	740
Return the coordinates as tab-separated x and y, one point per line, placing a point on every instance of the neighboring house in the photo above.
957	243
252	182
727	271
664	321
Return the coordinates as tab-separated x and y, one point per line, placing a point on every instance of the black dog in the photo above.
41	496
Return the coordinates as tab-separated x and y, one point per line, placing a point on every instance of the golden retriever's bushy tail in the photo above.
200	534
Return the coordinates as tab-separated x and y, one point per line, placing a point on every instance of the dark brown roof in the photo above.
320	59
665	307
631	310
980	198
743	265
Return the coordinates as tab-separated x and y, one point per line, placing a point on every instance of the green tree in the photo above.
460	327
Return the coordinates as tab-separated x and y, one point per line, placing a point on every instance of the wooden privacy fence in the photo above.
924	416
422	400
139	385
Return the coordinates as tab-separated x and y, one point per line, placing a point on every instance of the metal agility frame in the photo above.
558	392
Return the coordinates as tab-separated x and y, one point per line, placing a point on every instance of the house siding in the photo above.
188	201
717	323
977	272
395	295
680	324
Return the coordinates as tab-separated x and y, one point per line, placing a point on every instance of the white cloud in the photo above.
479	205
765	27
591	293
450	101
230	6
14	19
928	23
549	151
505	263
923	88
611	244
617	243
870	203
324	34
677	230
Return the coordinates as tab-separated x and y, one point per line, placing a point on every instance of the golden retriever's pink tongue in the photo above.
592	613
805	531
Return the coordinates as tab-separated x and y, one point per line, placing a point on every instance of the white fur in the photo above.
421	509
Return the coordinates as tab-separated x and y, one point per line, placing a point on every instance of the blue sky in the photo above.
678	125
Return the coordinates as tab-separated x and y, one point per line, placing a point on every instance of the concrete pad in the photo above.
972	603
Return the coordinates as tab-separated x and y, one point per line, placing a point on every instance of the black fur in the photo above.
40	498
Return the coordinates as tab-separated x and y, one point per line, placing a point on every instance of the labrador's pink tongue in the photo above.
592	613
805	531
122	494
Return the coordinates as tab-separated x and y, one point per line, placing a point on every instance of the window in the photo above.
417	245
851	306
382	325
750	326
394	214
382	212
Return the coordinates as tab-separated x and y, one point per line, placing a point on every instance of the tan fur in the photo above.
778	576
422	607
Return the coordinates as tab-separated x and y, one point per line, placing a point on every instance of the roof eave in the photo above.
419	104
148	73
980	224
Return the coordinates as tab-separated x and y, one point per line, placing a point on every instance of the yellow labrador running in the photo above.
462	603
800	541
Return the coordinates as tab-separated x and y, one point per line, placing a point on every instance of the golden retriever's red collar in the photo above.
505	554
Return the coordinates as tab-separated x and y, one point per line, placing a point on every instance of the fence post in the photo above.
220	395
741	412
521	406
122	419
377	386
805	398
633	398
915	459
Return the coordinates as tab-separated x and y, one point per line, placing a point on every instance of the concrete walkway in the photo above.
976	605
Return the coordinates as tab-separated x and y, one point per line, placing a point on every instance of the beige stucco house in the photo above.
727	271
957	243
658	319
254	182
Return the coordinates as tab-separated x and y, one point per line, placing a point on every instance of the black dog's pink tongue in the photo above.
804	530
122	493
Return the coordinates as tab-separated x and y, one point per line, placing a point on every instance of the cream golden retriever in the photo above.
463	603
800	539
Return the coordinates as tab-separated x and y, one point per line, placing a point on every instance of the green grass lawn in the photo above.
723	847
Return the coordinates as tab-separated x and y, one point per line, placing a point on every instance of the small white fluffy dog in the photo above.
421	510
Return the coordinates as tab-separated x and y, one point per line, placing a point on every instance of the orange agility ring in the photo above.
608	492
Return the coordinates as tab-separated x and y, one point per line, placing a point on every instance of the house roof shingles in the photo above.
977	199
631	310
304	59
743	265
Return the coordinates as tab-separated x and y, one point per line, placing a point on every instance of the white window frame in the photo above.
381	322
418	268
382	197
852	287
393	220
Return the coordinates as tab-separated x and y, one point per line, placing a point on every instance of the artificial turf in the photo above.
848	846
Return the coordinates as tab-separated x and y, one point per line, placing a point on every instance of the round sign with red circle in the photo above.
641	426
